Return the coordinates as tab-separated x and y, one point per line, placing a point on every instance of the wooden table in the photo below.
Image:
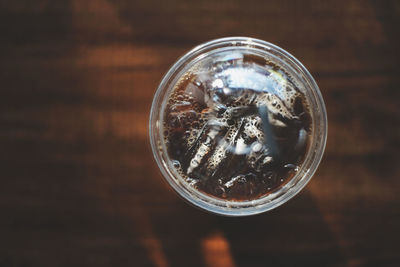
79	186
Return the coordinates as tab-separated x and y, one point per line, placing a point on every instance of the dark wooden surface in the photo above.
79	186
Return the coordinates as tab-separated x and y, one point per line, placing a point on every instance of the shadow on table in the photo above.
292	235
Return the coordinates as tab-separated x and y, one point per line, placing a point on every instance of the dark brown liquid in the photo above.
237	127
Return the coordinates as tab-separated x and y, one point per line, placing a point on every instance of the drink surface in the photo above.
236	126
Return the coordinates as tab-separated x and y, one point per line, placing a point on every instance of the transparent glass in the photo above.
318	134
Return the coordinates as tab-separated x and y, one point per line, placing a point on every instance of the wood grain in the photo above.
79	183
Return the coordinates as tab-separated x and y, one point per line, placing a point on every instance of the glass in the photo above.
279	64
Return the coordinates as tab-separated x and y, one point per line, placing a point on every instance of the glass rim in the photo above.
283	193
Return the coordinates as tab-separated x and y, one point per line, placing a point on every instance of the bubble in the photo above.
176	164
218	83
257	147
